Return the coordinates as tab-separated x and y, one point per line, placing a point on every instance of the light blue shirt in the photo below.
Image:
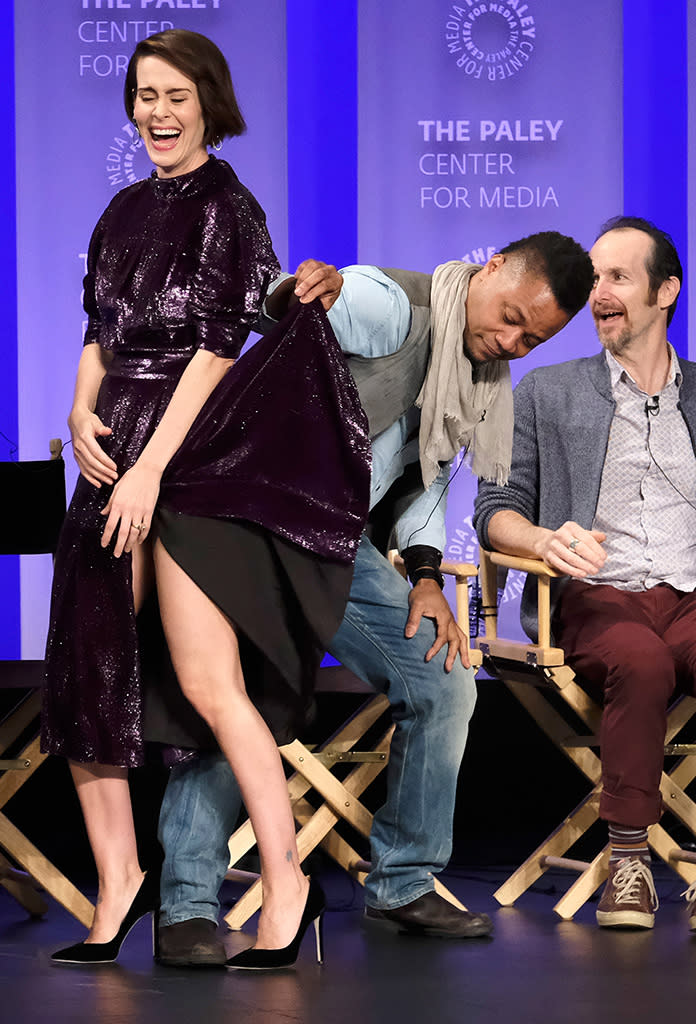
371	317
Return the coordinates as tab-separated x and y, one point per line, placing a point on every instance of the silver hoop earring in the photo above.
135	125
217	146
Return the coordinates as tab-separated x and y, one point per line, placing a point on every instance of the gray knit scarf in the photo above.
462	408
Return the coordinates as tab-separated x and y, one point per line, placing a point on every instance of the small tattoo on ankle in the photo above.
288	856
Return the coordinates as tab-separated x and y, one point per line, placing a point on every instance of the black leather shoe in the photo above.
192	943
432	915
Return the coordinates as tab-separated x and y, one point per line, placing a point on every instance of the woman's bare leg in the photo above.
204	650
106	806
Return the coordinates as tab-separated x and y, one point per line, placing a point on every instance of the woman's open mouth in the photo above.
165	138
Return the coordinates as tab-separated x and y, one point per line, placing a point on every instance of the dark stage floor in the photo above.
536	968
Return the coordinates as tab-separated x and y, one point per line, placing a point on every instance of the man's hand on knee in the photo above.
427	600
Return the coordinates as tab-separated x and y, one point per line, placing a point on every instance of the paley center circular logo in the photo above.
126	158
490	40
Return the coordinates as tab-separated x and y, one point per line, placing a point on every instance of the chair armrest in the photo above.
522	564
541	653
398	562
463	569
457	569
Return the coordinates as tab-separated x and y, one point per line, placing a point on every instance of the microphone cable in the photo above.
653	410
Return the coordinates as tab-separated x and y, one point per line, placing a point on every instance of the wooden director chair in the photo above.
540	680
339	798
31	515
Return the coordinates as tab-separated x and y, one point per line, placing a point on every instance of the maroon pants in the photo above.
638	648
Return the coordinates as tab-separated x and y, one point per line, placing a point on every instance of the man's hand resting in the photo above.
427	600
586	556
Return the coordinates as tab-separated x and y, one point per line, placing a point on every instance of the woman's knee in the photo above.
210	694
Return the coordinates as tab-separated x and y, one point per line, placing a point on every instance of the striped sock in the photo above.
628	841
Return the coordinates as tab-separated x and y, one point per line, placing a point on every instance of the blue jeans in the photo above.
199	812
411	835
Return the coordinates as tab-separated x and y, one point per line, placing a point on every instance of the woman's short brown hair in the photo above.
197	57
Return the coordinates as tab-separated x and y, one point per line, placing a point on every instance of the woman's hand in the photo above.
94	464
130	508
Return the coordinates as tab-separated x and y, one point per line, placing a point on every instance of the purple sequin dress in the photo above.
262	505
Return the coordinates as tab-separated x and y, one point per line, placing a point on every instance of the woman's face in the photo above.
168	114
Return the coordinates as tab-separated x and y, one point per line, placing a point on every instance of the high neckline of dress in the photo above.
184	184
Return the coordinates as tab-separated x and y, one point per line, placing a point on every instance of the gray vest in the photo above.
389	385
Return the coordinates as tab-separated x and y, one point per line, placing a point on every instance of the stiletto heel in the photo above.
155	933
319	937
146	901
273	959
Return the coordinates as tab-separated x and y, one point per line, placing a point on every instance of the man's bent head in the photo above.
524	295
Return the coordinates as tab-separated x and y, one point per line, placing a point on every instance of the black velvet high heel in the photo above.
273	959
146	902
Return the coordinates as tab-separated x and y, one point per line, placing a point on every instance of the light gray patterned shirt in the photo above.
648	482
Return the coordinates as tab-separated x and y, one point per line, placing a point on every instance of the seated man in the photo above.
427	393
603	489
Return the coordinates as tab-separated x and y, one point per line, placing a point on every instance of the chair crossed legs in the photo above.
338	798
29	523
530	671
40	874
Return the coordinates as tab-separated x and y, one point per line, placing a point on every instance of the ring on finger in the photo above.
574	543
138	526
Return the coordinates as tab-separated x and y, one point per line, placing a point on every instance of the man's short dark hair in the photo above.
197	57
562	262
662	263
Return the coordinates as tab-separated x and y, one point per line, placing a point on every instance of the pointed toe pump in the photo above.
146	902
275	959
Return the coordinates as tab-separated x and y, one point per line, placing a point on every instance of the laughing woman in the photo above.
192	464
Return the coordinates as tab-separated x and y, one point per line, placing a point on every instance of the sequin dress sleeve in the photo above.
235	267
89	300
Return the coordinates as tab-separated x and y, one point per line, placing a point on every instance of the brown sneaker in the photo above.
629	899
690	895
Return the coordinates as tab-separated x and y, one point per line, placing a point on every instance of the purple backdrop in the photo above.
690	282
479	123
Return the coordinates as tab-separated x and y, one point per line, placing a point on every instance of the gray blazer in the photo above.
562	418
